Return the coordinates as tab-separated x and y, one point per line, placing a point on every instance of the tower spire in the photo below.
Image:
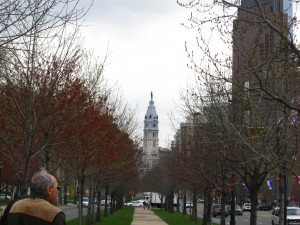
151	96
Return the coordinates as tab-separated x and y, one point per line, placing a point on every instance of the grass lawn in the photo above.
176	218
121	217
124	217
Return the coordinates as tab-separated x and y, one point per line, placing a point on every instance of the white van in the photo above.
293	215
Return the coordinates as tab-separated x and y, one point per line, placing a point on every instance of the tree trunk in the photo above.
171	202
207	207
222	220
98	214
281	198
105	201
194	213
184	203
177	203
254	203
80	195
89	220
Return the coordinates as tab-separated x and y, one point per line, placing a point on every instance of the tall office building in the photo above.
284	6
262	66
257	50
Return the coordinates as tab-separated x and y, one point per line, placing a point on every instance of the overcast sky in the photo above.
146	45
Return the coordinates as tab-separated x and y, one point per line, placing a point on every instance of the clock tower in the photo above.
150	141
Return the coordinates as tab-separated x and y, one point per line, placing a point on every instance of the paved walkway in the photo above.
146	217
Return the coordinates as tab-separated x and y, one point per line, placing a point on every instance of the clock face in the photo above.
154	125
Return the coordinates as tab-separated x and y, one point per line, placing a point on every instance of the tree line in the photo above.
57	110
241	108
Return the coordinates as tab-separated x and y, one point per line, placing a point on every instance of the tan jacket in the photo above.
35	211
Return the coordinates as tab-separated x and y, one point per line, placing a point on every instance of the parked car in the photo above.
200	200
264	206
136	203
293	215
85	202
5	197
238	210
246	207
103	202
216	210
189	205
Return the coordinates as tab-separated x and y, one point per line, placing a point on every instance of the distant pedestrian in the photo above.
148	204
39	208
144	204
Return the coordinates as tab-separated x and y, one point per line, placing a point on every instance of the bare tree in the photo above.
20	19
40	46
257	73
223	17
126	117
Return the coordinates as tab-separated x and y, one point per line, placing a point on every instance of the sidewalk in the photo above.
146	217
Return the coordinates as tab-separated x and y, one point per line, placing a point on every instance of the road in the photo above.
263	217
71	211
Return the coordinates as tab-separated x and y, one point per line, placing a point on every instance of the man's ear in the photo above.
48	191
